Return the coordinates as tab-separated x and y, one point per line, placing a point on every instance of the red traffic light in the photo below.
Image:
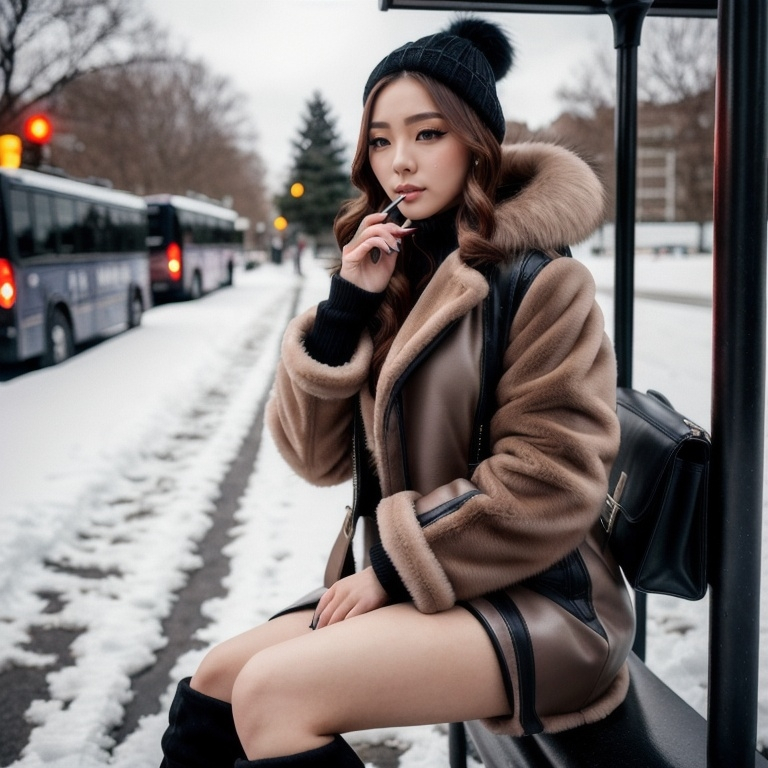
38	129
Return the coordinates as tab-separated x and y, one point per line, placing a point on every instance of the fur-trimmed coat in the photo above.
450	536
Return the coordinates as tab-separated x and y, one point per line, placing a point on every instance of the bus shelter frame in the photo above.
740	213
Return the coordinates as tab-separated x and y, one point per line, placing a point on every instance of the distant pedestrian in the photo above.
488	594
277	249
301	244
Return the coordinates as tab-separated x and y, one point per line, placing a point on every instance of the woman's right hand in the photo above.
358	267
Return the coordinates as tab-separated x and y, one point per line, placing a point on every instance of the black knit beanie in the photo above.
469	57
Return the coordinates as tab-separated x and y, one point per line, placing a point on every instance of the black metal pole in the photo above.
627	17
738	407
457	745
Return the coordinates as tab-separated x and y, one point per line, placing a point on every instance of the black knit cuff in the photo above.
339	322
387	574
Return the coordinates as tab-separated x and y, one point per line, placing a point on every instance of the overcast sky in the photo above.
277	53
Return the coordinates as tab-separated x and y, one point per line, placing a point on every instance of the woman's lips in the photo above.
411	193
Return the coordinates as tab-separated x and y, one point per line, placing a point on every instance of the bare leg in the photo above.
393	666
218	670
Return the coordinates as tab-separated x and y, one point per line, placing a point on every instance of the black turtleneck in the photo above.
342	318
434	239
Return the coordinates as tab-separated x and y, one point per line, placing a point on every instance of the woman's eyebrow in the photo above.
409	120
422	116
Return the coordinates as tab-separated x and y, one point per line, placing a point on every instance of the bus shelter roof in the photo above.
700	8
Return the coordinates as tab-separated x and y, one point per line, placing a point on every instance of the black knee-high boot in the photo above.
201	732
337	754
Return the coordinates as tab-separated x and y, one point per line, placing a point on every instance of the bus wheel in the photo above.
196	289
59	343
135	309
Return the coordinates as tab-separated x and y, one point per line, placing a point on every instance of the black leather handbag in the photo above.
655	515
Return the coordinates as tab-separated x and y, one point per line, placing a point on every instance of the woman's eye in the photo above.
429	134
376	142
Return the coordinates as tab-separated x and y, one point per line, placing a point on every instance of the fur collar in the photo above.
550	198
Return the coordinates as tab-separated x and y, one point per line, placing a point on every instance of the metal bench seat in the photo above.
653	728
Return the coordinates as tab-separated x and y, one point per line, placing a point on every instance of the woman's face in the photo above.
413	151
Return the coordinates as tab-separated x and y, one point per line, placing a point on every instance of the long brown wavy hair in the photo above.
474	219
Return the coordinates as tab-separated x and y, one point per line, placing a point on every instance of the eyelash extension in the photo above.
435	131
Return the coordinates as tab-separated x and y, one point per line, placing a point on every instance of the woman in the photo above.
488	595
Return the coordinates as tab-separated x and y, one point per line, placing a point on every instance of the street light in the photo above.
297	189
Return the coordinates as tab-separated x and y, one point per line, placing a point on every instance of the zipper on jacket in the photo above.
355	454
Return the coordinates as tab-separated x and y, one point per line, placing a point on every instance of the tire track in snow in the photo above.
99	623
204	582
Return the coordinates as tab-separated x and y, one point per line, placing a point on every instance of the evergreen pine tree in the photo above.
320	167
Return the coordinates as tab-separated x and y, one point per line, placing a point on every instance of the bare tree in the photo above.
678	64
676	77
593	88
168	126
47	44
677	59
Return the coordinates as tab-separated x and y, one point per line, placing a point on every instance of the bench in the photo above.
653	728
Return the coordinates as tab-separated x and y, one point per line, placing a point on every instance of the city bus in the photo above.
192	243
74	265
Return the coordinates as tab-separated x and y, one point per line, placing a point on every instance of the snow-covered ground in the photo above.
111	465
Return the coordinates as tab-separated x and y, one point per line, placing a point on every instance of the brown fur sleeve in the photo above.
553	439
310	410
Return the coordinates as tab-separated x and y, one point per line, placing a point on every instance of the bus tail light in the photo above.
7	285
173	258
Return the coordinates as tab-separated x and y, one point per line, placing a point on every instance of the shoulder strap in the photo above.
508	282
366	494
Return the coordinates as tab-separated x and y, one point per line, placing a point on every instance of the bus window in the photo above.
44	229
90	226
136	231
188	229
66	218
210	230
21	223
104	234
124	231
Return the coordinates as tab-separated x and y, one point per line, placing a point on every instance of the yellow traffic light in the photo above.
10	151
297	189
280	223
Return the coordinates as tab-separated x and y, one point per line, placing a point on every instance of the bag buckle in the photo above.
612	503
348	526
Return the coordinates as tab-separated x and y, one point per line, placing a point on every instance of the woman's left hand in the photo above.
359	593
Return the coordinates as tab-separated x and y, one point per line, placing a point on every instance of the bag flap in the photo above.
653	434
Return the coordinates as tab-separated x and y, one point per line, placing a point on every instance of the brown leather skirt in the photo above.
561	639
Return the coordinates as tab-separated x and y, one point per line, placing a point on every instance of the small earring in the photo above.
477	162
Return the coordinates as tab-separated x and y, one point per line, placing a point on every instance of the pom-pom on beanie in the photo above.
469	57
